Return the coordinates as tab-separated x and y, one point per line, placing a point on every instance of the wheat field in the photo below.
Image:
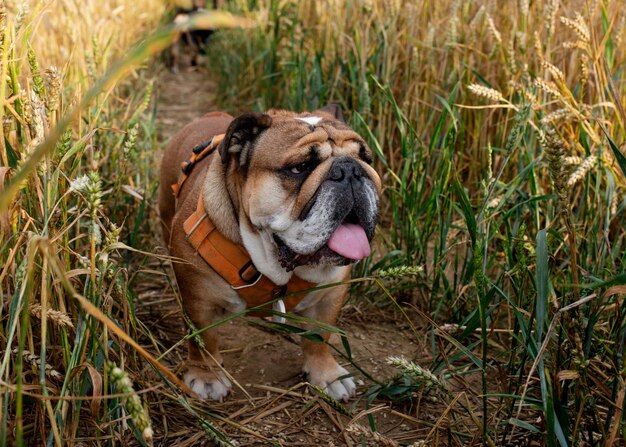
498	128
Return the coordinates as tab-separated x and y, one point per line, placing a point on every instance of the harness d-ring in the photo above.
279	306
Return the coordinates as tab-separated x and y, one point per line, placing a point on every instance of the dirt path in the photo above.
270	405
182	97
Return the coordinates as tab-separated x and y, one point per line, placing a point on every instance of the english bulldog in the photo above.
296	194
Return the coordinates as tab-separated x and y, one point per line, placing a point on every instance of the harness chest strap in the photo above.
232	262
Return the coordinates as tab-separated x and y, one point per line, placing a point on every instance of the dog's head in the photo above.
303	187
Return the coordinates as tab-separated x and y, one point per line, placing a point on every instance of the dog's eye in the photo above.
300	168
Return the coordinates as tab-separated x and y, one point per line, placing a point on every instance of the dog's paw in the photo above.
208	384
333	381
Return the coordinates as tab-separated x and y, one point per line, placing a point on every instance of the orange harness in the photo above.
197	154
231	261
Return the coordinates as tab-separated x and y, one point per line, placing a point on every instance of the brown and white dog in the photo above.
297	192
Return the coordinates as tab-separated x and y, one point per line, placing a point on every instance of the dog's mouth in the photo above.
347	243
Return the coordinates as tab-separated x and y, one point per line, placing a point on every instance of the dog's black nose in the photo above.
344	169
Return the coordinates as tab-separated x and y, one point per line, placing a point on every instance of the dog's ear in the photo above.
241	136
335	110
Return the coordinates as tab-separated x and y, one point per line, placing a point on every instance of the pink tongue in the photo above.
350	241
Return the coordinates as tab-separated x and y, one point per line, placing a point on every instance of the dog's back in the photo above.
179	150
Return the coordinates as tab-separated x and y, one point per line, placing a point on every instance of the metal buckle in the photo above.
245	268
252	281
186	167
202	146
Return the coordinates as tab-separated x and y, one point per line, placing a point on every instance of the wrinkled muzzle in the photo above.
337	224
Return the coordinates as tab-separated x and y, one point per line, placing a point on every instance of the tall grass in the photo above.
498	128
58	234
77	188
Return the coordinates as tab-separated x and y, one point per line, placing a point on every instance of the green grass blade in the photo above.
541	305
621	159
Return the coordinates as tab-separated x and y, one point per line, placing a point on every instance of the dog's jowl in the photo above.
267	207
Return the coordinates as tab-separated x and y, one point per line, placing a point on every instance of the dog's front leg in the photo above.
204	375
320	366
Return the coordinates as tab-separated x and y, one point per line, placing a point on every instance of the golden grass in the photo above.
77	187
52	53
546	52
82	38
499	126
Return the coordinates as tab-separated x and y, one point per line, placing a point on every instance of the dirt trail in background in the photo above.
266	364
182	97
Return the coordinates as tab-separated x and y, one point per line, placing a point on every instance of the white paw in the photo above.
333	382
207	384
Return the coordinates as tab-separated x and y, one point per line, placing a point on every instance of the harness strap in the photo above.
232	262
197	153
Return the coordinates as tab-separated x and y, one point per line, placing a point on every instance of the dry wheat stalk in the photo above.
56	316
557	115
579	27
494	31
582	170
550	13
35	360
372	438
486	92
572	160
614	202
548	87
554	71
